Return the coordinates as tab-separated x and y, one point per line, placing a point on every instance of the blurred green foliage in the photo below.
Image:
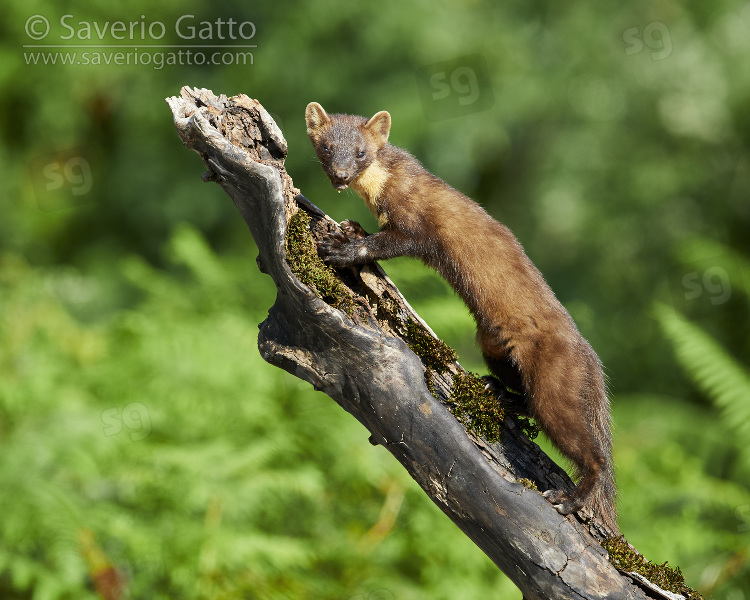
613	139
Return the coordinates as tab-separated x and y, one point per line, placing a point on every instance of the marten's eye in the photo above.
361	154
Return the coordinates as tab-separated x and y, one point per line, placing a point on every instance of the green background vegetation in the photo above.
140	428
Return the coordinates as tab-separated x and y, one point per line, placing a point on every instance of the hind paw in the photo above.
562	502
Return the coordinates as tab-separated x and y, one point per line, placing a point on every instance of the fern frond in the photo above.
712	369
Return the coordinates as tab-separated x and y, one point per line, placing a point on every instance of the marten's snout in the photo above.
340	178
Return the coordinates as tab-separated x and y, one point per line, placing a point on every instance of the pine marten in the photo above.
528	340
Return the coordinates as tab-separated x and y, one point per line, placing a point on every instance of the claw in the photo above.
492	384
353	230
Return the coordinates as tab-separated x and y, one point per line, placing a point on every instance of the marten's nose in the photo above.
340	175
340	178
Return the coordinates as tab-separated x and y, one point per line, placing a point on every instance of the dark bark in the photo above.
362	361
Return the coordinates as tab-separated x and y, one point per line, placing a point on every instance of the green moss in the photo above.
481	411
477	407
435	353
303	259
622	556
528	484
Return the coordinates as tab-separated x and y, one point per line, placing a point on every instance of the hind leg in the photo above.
559	400
569	431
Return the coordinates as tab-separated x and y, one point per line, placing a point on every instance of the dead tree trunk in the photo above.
354	337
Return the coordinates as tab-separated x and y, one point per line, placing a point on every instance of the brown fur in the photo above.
526	336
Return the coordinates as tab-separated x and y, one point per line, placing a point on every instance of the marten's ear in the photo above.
379	126
316	118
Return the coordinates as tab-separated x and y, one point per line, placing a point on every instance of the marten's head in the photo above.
346	145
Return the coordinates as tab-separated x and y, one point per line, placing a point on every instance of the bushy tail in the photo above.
604	503
605	498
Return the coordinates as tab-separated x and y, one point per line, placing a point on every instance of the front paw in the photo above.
344	248
330	248
340	251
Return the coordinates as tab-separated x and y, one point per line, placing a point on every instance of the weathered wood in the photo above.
363	362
